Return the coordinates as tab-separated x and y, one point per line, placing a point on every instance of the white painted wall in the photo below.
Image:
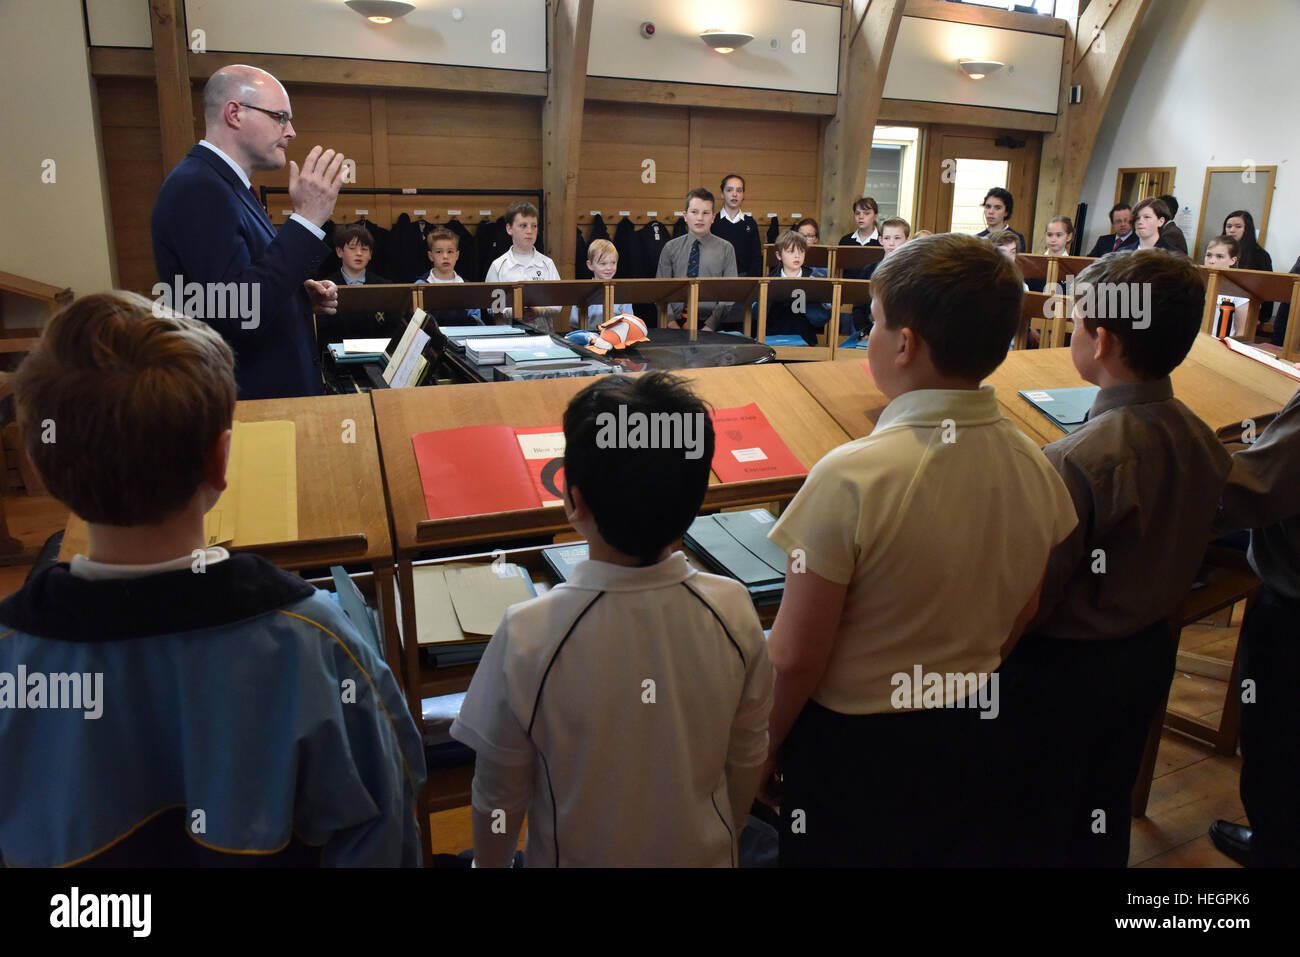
924	66
58	232
1206	83
676	53
119	23
501	34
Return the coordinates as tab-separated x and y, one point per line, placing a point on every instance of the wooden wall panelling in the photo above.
616	141
132	143
777	153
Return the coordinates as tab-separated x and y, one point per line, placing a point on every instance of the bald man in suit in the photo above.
209	228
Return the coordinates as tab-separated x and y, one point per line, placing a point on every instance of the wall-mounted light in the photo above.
979	69
381	11
724	42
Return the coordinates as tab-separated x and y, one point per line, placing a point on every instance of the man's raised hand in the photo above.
315	189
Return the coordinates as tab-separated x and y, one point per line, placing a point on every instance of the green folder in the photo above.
718	545
1067	409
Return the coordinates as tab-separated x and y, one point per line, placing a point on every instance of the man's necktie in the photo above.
1118	243
257	200
693	264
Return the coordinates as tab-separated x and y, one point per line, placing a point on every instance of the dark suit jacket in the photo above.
207	229
1106	244
1173	237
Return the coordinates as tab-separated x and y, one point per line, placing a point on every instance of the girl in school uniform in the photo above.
1223	252
1059	235
1240	225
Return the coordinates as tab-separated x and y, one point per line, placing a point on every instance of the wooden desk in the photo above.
1221	395
342	517
399	413
568	292
1219	386
1259	287
844	390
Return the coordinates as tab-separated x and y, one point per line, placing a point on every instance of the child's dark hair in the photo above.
642	499
958	293
808	221
700	193
1174	302
731	176
520	207
345	234
1009	201
440	233
866	202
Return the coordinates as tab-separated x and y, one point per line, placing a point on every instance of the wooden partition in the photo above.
401	138
778	154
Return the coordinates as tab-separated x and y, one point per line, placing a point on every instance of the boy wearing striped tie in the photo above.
698	253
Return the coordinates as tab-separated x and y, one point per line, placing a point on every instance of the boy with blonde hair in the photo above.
602	260
236	715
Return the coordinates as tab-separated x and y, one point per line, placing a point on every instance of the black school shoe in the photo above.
1232	840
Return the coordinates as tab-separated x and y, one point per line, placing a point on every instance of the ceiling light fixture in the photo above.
724	42
381	11
978	69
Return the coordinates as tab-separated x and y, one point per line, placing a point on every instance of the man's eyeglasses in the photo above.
280	116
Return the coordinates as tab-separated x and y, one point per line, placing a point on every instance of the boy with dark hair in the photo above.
898	577
998	204
1263	494
1145	475
625	711
237	715
1170	232
354	245
698	253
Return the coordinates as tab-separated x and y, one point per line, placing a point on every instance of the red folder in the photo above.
478	469
746	447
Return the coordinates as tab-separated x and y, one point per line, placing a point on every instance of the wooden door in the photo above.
962	162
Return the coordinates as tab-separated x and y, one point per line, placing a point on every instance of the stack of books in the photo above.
735	544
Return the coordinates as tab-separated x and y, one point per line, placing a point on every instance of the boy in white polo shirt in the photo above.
523	261
625	711
916	559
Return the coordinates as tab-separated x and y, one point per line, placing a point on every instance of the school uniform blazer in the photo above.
206	228
242	692
1173	237
1106	244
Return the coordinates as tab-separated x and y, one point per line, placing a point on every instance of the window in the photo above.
973	178
891	172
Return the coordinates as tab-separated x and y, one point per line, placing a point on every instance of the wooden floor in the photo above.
1192	787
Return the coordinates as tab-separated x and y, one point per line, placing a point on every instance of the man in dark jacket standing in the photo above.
219	258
